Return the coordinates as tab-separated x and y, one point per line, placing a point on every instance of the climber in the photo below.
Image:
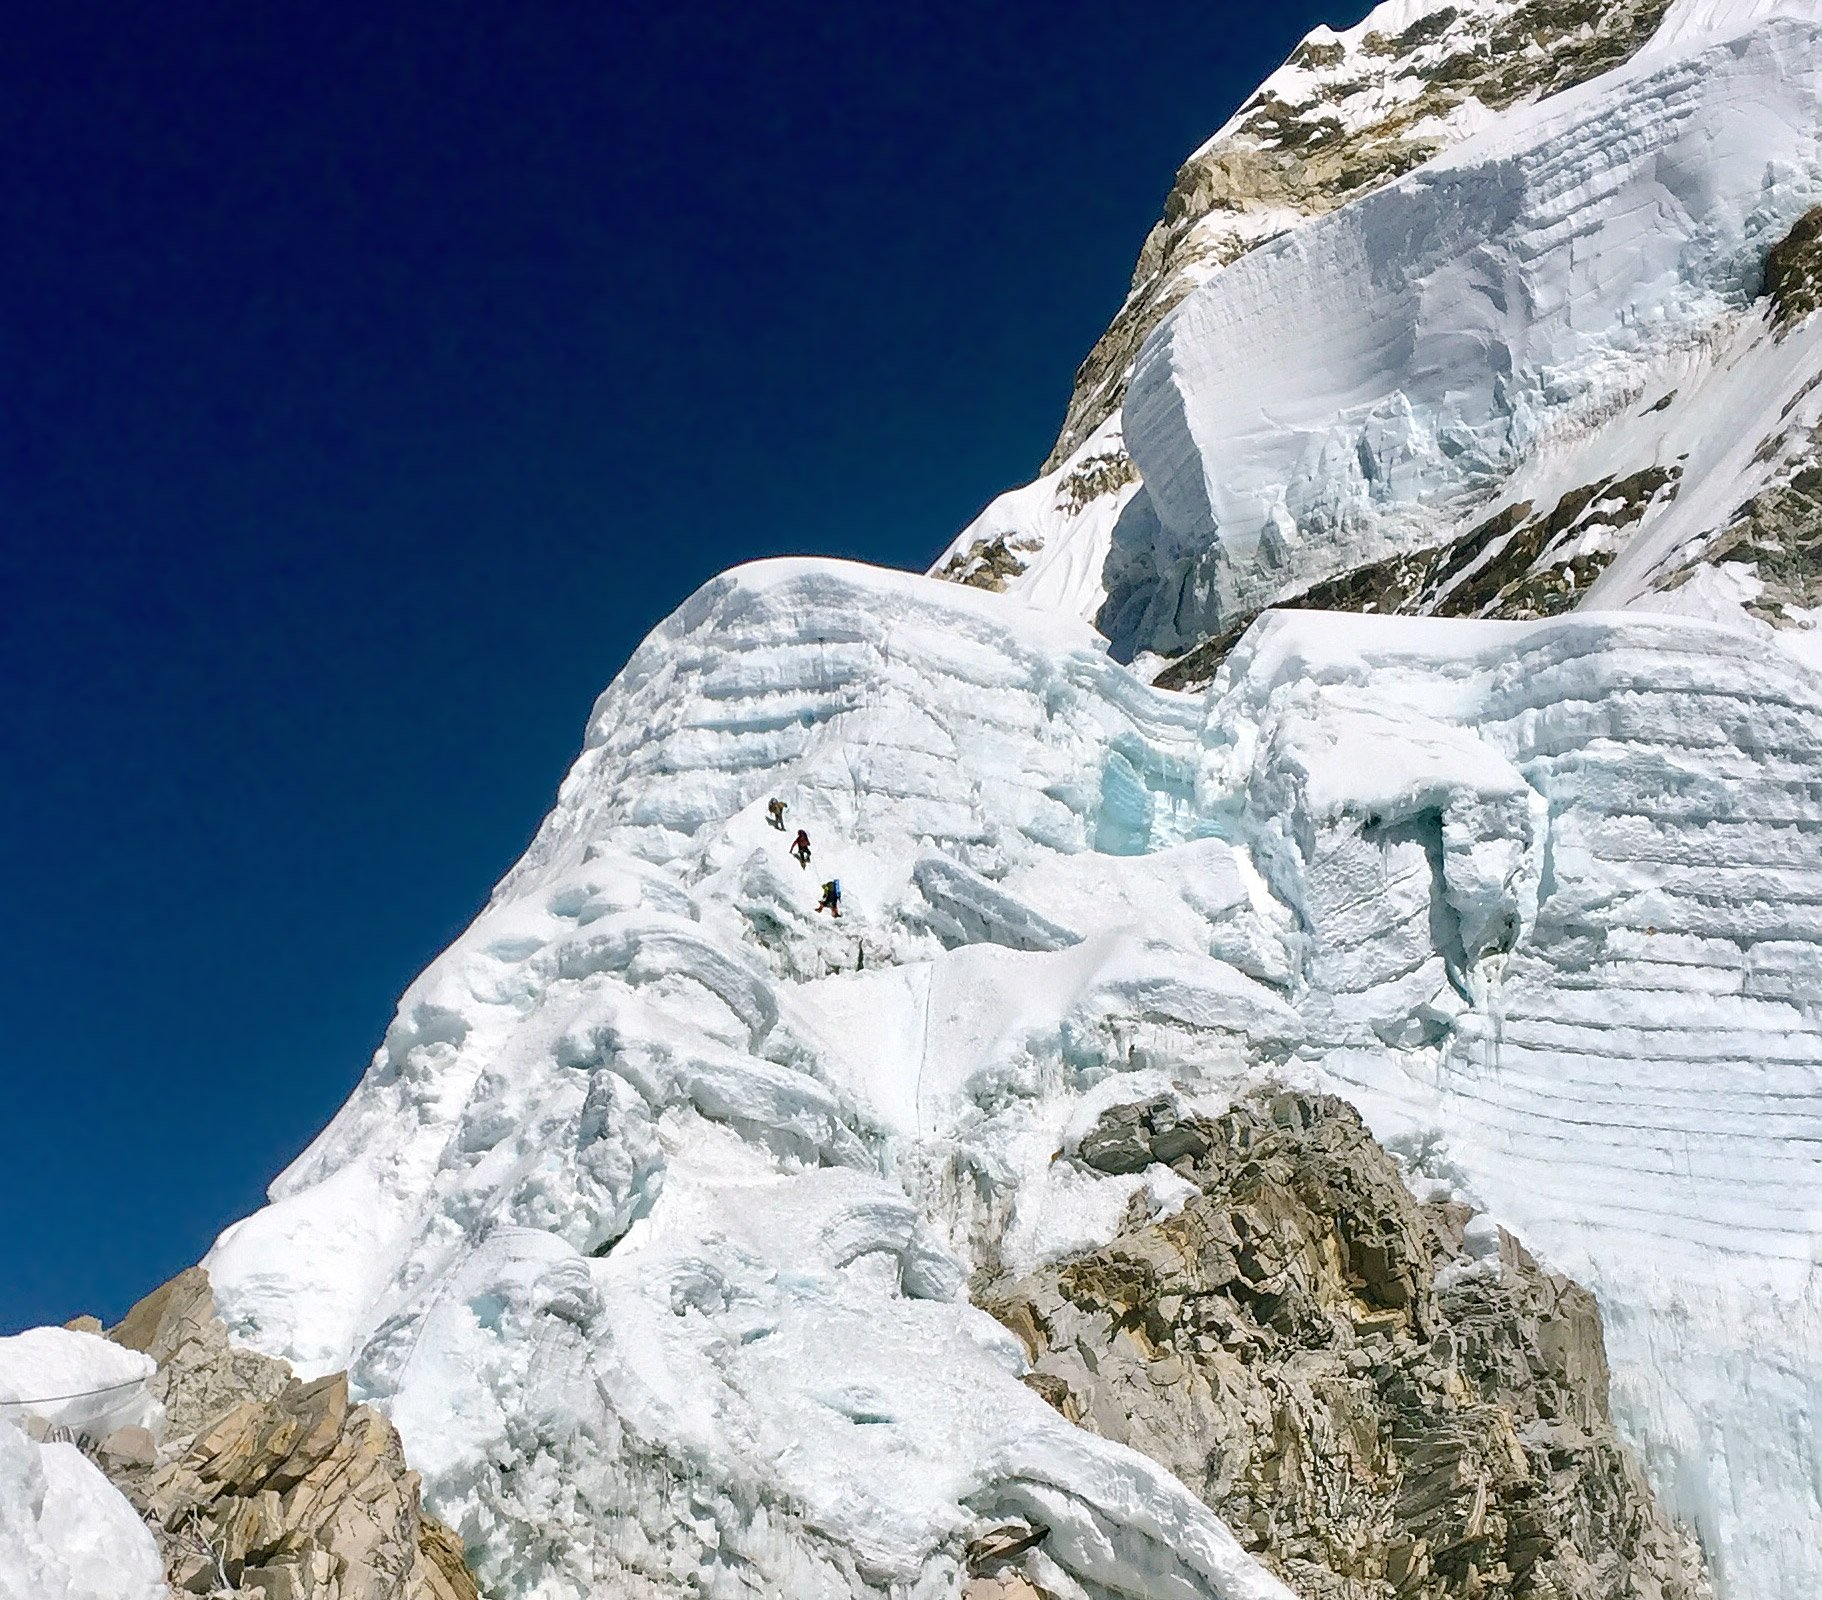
775	814
831	898
800	847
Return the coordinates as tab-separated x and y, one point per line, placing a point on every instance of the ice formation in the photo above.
1502	302
652	1224
66	1533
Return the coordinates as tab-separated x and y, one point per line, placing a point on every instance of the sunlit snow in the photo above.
653	1222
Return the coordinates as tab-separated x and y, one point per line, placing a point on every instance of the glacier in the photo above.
655	1221
650	1223
1504	295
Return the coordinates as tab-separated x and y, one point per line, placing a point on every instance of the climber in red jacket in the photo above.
800	847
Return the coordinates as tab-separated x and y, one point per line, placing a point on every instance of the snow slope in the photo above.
66	1533
1556	295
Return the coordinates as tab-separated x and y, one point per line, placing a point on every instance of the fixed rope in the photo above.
79	1394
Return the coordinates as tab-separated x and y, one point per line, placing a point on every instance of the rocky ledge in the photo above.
264	1487
1383	1397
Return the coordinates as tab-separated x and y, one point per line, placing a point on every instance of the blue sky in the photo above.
371	380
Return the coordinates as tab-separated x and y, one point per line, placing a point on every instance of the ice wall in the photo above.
651	1220
621	1226
1361	386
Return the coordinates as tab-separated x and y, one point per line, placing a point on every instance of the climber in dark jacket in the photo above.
800	847
831	897
775	814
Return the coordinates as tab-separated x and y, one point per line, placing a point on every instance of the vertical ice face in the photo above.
1349	112
1501	302
1550	297
1601	1008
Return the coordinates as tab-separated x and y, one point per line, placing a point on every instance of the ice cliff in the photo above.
1398	692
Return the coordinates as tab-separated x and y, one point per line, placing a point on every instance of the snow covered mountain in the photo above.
1400	692
1479	390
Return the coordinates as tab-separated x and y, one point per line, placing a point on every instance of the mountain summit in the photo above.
1313	1087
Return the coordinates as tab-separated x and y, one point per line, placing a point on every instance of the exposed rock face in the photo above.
1381	1396
1793	272
265	1486
1773	542
1335	123
1519	564
986	566
200	1374
1779	531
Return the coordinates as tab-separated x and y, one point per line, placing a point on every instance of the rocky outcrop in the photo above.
1793	272
1383	1397
266	1487
987	565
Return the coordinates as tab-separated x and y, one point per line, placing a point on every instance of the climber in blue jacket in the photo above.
831	897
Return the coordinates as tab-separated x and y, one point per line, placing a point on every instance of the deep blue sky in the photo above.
370	381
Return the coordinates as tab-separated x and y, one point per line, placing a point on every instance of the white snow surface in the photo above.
651	1220
66	1533
1062	540
78	1381
1063	536
1501	304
